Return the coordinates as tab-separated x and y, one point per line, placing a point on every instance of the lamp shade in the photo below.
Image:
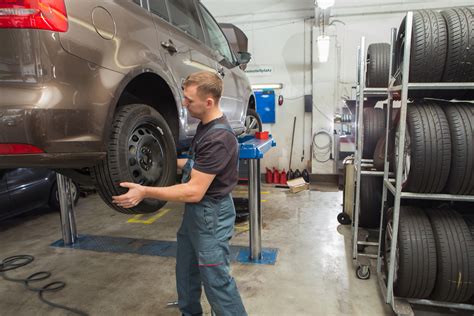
324	4
323	48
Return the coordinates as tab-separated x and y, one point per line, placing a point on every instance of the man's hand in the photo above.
135	194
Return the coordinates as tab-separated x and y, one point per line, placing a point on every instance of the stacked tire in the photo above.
441	50
371	187
435	249
434	255
439	147
378	65
377	76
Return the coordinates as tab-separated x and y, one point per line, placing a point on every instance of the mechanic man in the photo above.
208	222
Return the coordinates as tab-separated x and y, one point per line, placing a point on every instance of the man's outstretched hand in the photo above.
135	194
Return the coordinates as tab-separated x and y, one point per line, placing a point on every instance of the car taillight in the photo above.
34	14
19	149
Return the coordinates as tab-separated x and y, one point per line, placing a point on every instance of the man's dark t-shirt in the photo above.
216	153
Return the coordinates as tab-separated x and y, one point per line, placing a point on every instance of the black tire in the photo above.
415	267
374	128
141	149
370	201
253	123
379	152
378	65
428	46
54	196
343	218
455	249
427	149
461	123
469	219
460	54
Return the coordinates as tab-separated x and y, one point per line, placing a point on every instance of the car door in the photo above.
5	204
182	39
29	188
233	102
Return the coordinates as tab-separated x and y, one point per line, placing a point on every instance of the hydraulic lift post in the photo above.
66	201
253	149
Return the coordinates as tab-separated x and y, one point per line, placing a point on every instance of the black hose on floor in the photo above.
15	262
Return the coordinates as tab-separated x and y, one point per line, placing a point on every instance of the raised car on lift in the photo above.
93	88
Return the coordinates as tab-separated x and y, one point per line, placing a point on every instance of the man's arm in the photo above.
181	162
191	192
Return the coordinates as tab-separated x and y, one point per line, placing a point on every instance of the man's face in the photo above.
195	105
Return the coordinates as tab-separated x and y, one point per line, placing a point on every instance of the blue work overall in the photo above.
203	251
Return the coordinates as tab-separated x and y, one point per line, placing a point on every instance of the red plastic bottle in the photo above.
268	176
276	175
283	177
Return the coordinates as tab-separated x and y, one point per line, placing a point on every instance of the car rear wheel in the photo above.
253	123
141	149
54	195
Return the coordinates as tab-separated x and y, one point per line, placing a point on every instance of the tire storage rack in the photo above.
425	248
373	75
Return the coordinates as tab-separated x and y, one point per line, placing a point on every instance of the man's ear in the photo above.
210	102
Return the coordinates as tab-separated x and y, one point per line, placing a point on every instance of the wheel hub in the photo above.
146	159
145	155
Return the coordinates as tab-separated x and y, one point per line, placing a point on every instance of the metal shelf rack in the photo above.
399	305
363	270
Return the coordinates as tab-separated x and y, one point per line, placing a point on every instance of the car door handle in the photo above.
221	72
169	46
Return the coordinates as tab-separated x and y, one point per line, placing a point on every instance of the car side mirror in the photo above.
243	58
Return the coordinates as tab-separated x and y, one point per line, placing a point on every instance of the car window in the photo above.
139	2
184	15
158	7
217	39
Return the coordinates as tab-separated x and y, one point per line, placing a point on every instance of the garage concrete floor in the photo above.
313	274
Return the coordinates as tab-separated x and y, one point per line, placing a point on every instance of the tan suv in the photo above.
93	88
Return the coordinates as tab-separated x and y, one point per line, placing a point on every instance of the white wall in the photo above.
281	45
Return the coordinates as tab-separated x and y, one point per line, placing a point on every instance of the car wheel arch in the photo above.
133	89
252	103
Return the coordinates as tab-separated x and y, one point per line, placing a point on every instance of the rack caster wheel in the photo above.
363	272
343	218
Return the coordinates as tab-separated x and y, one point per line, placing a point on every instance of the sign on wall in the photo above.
259	70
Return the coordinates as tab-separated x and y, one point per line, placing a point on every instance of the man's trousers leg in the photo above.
212	246
188	278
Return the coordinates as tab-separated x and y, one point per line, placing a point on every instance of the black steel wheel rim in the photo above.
146	154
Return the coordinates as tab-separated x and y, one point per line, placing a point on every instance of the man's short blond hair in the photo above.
208	84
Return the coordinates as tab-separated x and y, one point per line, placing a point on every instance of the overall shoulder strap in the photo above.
212	128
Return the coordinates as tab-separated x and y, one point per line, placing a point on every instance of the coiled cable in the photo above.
318	150
15	262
